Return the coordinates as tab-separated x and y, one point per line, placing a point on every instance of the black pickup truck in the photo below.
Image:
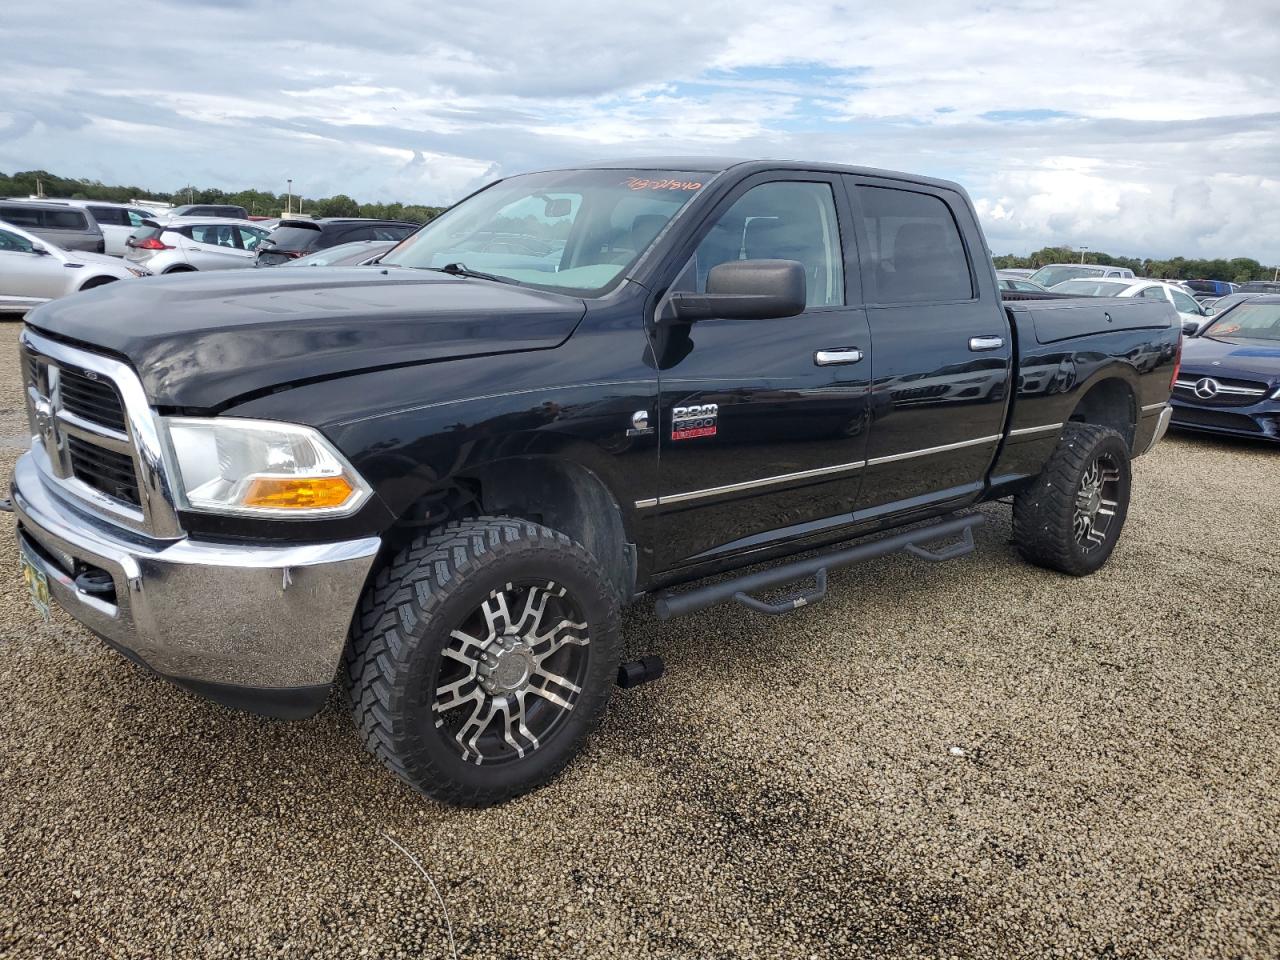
442	476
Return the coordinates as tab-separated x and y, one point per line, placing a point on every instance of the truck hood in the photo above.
1232	357
200	340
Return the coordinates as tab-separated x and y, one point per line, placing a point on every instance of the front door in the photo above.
27	275
763	422
942	347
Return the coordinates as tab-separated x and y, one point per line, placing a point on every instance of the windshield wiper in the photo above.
460	269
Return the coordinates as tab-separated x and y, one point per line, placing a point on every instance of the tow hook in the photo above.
635	672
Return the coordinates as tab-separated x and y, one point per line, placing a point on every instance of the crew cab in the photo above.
442	477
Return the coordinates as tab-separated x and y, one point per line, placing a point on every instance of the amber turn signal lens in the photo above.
297	493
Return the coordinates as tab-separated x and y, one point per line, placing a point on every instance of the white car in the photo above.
1182	301
195	243
117	220
33	271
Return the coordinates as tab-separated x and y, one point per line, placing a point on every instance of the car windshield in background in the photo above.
1048	276
1248	321
570	230
1092	288
1223	304
293	238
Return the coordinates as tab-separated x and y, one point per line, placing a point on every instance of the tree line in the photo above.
257	202
1235	270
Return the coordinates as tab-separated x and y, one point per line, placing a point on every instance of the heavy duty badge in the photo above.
695	421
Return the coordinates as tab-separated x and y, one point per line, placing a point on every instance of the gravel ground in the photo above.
974	759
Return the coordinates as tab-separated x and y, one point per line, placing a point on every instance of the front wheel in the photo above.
1071	517
483	656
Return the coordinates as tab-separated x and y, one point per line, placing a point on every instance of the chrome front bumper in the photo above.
260	627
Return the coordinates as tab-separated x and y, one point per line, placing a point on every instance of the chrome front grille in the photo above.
91	399
105	470
95	437
1219	391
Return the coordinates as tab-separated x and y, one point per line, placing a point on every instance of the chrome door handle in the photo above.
979	344
837	355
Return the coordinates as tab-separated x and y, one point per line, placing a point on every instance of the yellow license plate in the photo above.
37	584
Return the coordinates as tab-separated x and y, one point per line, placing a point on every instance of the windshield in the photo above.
293	237
1248	321
1092	288
574	231
1048	276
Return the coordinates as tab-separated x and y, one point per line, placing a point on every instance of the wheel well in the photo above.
1110	403
559	494
181	269
97	282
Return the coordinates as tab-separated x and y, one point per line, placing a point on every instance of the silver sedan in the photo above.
33	271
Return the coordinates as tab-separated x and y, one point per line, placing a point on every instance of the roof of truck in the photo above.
720	164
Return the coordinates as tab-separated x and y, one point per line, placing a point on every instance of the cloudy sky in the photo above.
1149	129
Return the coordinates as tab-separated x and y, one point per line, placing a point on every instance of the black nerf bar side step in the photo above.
670	604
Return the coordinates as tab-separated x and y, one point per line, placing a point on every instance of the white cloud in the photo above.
1152	132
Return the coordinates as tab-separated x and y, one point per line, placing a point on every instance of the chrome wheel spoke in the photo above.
496	615
511	672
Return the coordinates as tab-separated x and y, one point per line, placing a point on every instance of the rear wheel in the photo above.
1071	517
483	656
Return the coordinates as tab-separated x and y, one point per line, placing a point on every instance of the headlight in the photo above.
261	467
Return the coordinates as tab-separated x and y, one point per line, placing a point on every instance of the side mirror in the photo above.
743	290
39	249
558	207
1189	328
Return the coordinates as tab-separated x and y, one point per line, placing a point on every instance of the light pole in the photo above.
288	203
1082	250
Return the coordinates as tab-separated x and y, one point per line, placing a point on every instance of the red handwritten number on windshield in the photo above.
641	183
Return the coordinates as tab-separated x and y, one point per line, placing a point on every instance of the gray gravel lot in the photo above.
974	759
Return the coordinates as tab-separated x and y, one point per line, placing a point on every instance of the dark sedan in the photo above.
1230	376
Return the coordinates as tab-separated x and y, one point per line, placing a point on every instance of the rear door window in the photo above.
914	253
218	235
21	215
66	219
109	216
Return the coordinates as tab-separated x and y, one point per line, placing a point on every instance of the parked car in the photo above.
33	270
1019	284
1210	289
117	221
58	223
1182	301
1052	274
357	253
1260	286
488	448
195	243
1020	273
223	210
1230	376
296	238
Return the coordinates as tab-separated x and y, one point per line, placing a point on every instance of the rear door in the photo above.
762	434
115	226
943	351
217	246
